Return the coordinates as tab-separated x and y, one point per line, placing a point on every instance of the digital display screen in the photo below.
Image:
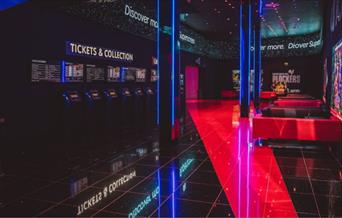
95	73
336	79
129	74
113	74
154	76
74	96
140	75
48	71
74	72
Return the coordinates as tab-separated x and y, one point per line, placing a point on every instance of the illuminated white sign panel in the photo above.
129	11
186	38
106	192
289	77
292	45
140	17
77	49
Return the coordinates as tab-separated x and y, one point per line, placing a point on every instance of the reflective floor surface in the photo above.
214	170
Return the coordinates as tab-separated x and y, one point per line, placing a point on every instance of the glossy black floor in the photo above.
142	180
313	179
146	179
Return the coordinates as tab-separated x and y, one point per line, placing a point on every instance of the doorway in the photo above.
191	82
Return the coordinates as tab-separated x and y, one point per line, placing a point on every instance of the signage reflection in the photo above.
106	192
144	203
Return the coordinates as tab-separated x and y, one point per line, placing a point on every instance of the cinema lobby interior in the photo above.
171	108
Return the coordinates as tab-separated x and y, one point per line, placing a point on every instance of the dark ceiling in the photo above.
219	19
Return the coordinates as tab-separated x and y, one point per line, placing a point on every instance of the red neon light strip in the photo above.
250	176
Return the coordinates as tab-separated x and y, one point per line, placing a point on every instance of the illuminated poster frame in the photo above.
336	78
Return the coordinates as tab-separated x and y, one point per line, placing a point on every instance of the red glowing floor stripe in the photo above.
250	176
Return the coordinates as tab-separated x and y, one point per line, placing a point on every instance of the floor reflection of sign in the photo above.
106	192
184	167
77	186
144	203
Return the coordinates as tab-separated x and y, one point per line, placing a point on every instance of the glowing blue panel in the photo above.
6	4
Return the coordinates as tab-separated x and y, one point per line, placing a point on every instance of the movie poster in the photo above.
336	79
325	80
286	82
236	80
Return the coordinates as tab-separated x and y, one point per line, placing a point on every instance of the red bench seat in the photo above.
325	130
267	95
298	103
229	94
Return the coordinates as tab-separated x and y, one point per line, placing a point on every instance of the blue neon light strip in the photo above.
239	174
6	4
260	62
241	54
63	72
158	60
159	195
261	8
173	61
249	52
122	74
173	193
248	171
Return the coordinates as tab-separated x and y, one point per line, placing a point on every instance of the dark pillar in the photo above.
2	123
245	55
257	53
168	69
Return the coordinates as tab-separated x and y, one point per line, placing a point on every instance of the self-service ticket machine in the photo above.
139	110
150	107
112	114
72	117
95	117
126	109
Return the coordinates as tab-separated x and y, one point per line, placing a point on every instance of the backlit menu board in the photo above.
113	74
129	74
73	72
48	71
154	76
95	73
140	75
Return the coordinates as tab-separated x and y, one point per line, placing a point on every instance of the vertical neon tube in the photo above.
241	53
248	171
173	61
63	71
158	62
249	51
239	172
173	193
259	44
260	7
159	195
